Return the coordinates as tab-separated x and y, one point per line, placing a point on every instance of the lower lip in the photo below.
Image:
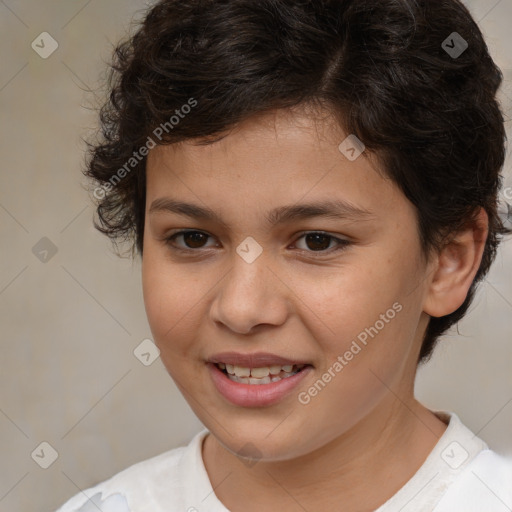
254	395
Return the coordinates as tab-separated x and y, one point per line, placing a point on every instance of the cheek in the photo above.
164	299
174	302
345	301
366	312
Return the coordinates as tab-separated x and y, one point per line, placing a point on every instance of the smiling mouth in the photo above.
262	375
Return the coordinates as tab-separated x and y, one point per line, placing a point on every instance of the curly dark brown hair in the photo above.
391	72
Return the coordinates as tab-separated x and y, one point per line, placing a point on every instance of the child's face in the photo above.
301	298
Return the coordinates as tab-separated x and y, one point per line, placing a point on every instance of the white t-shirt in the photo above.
461	474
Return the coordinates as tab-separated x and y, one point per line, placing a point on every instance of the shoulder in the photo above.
142	482
485	484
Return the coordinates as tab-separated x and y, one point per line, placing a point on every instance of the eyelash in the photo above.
341	243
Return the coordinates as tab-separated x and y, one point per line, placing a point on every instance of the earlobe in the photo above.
456	267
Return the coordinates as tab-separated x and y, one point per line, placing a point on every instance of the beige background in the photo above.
68	375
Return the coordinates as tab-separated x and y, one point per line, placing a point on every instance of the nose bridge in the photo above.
249	294
249	267
248	280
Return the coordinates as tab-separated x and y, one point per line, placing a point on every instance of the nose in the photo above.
250	295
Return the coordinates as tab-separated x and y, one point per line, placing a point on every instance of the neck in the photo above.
361	468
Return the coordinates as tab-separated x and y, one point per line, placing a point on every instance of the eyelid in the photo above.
341	242
168	239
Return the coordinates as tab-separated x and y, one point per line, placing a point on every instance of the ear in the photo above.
455	268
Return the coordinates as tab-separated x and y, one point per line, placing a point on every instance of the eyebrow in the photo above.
335	209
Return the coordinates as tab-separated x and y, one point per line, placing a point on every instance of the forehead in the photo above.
276	158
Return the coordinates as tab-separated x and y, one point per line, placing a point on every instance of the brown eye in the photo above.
321	242
192	240
318	241
315	242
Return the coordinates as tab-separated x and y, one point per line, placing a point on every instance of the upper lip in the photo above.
255	360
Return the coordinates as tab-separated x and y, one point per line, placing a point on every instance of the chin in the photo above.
254	445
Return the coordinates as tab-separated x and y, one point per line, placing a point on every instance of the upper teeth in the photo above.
259	373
